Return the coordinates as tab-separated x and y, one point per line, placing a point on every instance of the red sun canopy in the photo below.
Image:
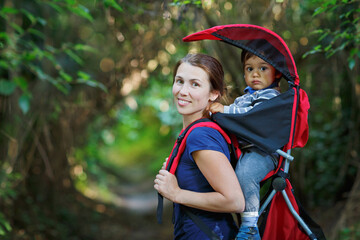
258	40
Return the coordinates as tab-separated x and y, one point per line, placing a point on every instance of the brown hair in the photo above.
245	55
212	67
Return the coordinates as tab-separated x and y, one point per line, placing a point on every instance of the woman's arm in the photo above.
218	171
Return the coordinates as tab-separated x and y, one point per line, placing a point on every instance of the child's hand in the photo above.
216	107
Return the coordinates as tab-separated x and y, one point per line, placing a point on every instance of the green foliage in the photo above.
350	233
338	38
341	36
25	50
130	152
135	146
327	164
186	2
113	4
7	87
4	225
7	194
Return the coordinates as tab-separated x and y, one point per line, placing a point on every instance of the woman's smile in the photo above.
183	102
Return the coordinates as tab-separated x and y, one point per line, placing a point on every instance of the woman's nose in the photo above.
184	89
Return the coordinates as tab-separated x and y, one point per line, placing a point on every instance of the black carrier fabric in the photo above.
269	134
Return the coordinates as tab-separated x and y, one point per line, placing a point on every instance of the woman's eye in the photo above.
179	81
195	84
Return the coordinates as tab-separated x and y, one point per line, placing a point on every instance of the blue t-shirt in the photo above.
190	177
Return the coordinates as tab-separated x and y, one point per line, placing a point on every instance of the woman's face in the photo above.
191	90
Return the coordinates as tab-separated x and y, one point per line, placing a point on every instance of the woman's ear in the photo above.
214	95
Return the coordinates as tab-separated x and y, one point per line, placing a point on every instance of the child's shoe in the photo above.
248	233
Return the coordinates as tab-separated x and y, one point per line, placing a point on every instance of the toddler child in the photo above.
262	81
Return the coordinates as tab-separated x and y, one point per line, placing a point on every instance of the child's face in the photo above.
258	73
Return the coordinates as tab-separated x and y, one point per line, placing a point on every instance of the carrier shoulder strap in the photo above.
179	148
180	143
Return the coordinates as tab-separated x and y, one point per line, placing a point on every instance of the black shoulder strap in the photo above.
205	228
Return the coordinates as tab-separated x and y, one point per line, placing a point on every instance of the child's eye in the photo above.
249	69
263	69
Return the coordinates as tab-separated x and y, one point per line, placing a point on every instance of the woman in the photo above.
205	182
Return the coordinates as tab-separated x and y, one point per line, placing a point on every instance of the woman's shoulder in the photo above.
205	136
204	131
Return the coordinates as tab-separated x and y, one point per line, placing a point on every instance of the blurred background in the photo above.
87	118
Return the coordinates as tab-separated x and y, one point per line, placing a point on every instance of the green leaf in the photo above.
36	33
328	47
50	56
317	47
75	57
7	87
29	56
84	76
24	103
71	2
81	11
5	224
325	34
112	3
198	3
4	36
42	21
85	48
39	72
4	64
64	88
93	83
22	83
17	28
50	48
65	76
351	62
86	79
10	10
318	11
30	16
55	7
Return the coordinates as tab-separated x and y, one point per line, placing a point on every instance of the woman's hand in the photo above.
164	164
166	184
